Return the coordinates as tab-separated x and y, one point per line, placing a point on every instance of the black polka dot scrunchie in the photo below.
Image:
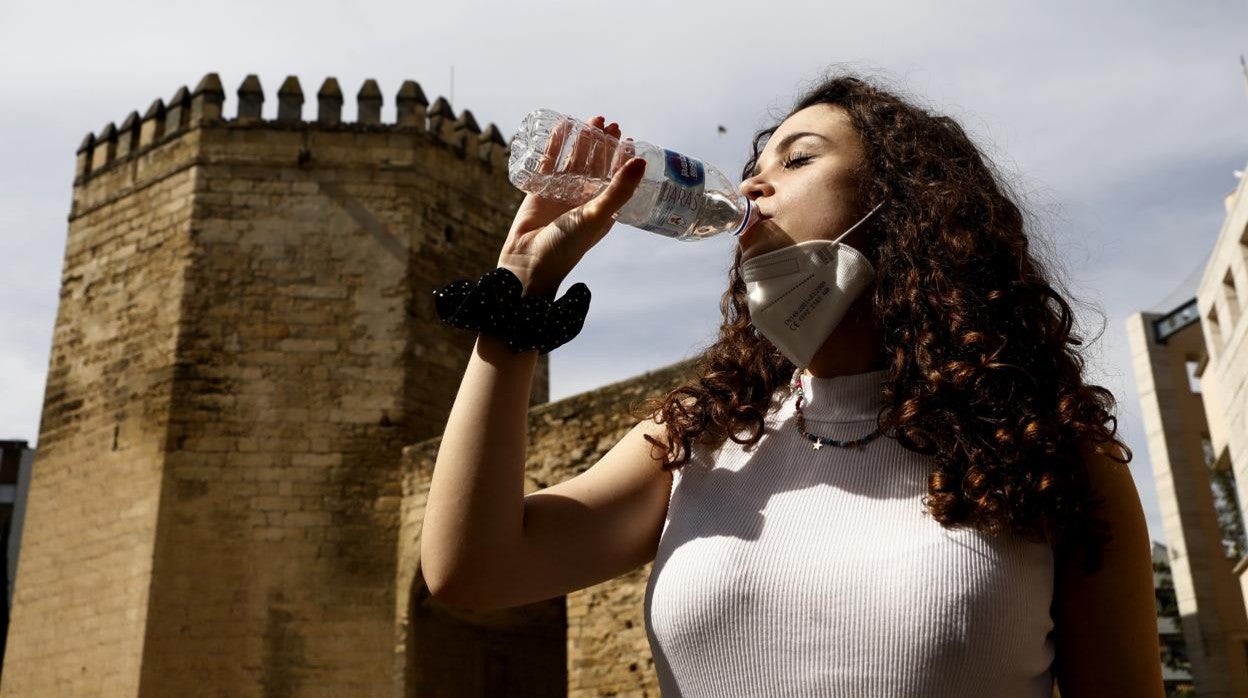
493	304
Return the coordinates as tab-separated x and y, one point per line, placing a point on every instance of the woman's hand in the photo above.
548	237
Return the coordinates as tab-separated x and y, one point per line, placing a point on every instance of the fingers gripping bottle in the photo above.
558	157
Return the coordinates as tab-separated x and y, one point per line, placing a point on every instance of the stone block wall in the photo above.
607	652
246	340
80	597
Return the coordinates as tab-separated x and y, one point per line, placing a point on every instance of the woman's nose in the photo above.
754	189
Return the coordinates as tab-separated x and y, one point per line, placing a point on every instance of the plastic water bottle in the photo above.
679	197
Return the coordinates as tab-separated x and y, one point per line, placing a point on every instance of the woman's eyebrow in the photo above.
787	140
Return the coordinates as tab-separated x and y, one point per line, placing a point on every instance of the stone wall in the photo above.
245	341
82	588
607	652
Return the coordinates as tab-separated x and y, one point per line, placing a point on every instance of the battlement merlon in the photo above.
164	122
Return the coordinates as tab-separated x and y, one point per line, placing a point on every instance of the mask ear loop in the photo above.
860	222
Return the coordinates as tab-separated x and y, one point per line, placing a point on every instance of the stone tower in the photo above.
245	342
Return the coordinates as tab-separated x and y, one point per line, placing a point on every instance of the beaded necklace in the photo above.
820	441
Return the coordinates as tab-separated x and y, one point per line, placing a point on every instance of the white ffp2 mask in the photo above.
798	294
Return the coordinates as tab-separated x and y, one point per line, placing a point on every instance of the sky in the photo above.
1120	124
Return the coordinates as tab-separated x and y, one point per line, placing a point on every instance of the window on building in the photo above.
1206	448
1225	500
1243	243
1232	299
1214	333
1193	381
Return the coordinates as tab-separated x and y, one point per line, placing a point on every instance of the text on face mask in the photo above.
809	303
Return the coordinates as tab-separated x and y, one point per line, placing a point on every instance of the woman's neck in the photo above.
855	346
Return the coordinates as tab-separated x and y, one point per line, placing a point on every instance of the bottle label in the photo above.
680	195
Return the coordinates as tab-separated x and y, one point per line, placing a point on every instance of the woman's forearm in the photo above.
475	510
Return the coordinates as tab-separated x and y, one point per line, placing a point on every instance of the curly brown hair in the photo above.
982	374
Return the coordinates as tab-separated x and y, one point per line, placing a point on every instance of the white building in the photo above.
1190	362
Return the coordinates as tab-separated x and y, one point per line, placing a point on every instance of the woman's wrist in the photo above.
533	283
494	349
520	311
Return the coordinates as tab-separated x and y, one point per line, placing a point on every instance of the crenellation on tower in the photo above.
290	101
368	102
250	100
410	105
207	101
442	119
104	148
466	121
153	126
465	131
491	142
82	164
329	103
178	112
205	107
128	136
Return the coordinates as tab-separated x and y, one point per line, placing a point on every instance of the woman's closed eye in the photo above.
795	160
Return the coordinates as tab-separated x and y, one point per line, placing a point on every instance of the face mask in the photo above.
798	294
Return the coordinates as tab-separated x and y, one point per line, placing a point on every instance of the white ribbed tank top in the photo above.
789	571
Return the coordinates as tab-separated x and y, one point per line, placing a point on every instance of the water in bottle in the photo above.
558	157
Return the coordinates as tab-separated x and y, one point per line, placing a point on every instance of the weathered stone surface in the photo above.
608	653
246	343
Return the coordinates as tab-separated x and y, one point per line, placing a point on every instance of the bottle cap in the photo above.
750	218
